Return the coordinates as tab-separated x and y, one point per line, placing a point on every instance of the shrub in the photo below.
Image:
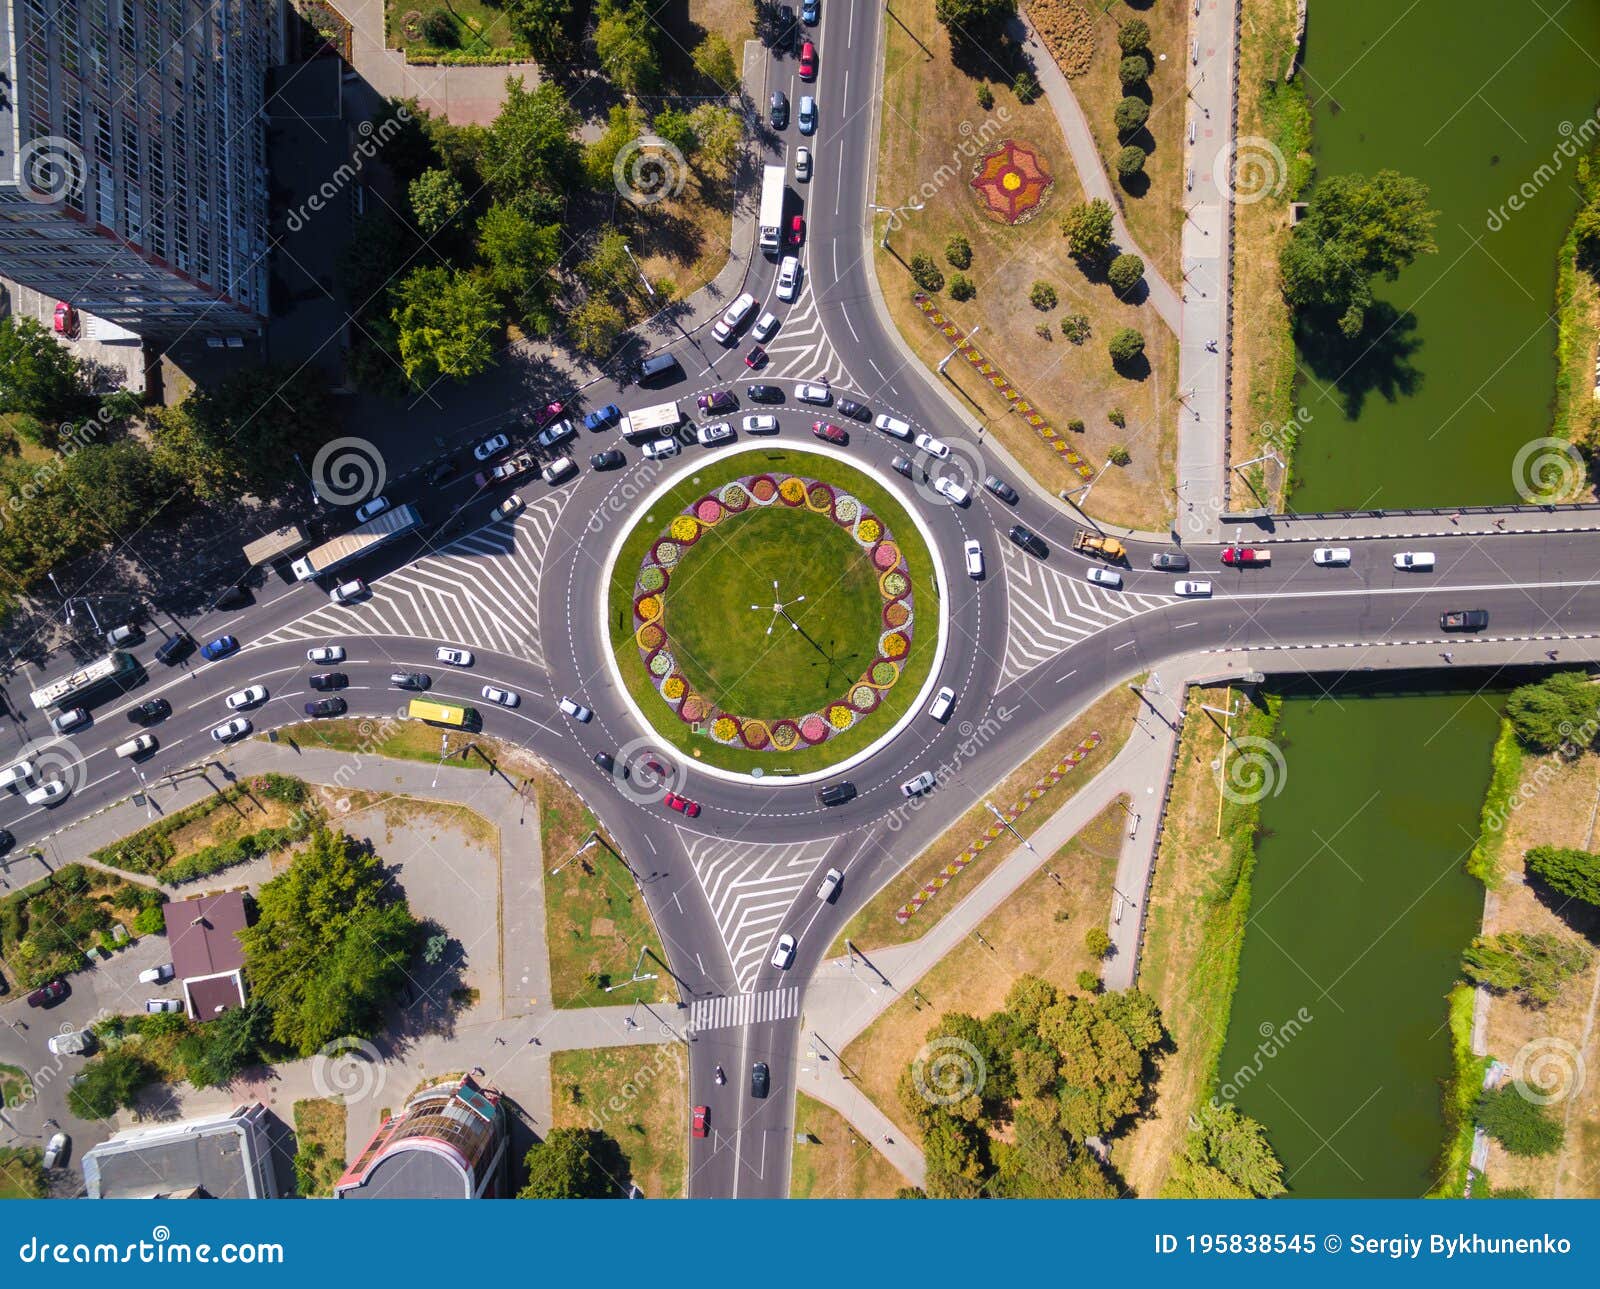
150	921
1521	1126
1548	714
1119	455
1042	296
1089	981
1125	272
985	96
1116	417
1025	87
1133	35
1075	425
1133	70
1573	873
959	252
1075	327
926	273
961	287
1130	161
1042	330
1097	942
1131	114
1087	226
1533	965
1125	345
433	951
439	30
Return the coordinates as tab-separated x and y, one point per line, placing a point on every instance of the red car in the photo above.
551	411
756	358
829	431
51	992
702	1119
66	320
1245	555
797	230
689	809
808	62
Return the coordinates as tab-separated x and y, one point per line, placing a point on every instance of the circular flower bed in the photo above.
652	632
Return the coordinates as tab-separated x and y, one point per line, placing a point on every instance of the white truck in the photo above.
357	542
772	210
650	422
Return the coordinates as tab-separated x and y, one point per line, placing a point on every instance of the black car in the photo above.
902	465
760	1080
329	680
1029	540
778	110
150	711
856	411
174	649
763	393
416	680
235	597
326	707
836	794
1170	562
995	484
7	841
441	472
610	459
1464	620
608	763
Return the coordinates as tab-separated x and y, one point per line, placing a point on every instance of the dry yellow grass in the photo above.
835	1163
1067	29
1039	930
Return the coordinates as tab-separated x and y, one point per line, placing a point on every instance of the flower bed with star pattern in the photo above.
727	504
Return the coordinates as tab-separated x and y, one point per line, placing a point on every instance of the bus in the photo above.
650	422
99	672
446	714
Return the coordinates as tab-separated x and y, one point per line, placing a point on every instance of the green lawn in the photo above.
729	634
21	1173
15	1086
720	637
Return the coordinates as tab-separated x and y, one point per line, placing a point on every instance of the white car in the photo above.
249	696
943	701
766	327
762	423
371	509
830	885
69	720
507	508
55	1150
917	786
1414	560
502	696
807	116
711	435
783	955
72	1042
1328	556
933	447
788	277
728	324
951	491
892	425
661	449
354	589
974	554
802	164
238	727
821	395
1105	577
559	469
486	449
325	653
163	1004
455	657
45	793
1187	587
156	975
577	711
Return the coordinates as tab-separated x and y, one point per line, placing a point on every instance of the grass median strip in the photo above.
833	1161
638	1096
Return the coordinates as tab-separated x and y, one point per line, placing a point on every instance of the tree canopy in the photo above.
1522	1126
39	376
574	1163
976	23
1087	226
1573	873
1533	965
109	1083
531	152
446	325
1225	1156
1555	711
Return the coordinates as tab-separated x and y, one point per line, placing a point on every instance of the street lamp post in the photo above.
945	361
444	747
648	289
637	974
892	212
310	482
590	843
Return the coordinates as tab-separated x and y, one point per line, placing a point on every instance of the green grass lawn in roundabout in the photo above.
719	645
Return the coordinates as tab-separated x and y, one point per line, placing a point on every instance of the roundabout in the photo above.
775	612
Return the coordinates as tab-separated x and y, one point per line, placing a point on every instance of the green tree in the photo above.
333	907
959	252
38	376
1133	35
545	26
1043	1162
518	256
531	152
961	287
1125	272
926	273
1225	1156
1129	162
1025	87
975	23
446	324
1553	712
624	41
1130	115
1522	1126
1355	229
596	325
436	199
1126	345
1087	226
677	128
439	30
118	487
1133	70
1532	964
624	124
216	1053
1042	296
109	1083
1102	1072
720	131
1573	873
574	1163
713	59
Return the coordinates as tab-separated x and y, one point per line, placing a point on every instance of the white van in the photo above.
943	701
892	425
139	745
1414	561
12	775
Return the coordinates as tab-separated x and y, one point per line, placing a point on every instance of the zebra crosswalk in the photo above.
733	1010
750	886
801	350
1050	611
481	590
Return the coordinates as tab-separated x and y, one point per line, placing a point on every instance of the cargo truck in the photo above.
360	541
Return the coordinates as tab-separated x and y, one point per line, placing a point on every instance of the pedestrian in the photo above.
1551	654
1448	656
499	1042
1456	518
1500	524
1211	346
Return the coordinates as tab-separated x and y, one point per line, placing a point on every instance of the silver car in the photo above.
917	786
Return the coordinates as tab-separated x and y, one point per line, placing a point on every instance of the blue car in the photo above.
811	12
221	647
602	417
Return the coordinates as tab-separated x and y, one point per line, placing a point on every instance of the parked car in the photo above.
325	680
702	1121
689	809
783	952
560	432
755	357
156	975
419	681
602	417
55	1153
808	61
371	509
1170	562
513	467
577	711
492	446
715	433
249	696
829	432
802	164
221	647
559	471
163	1004
455	657
1246	556
150	711
325	654
174	649
995	484
778	110
1330	556
49	993
610	459
65	321
733	317
1104	577
127	633
71	1042
548	413
326	707
829	887
763	393
502	696
228	731
762	423
917	785
71	719
354	589
716	402
811	12
506	509
1189	588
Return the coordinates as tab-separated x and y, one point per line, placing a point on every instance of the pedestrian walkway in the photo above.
733	1011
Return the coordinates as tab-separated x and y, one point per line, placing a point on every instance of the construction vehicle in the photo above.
1096	544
